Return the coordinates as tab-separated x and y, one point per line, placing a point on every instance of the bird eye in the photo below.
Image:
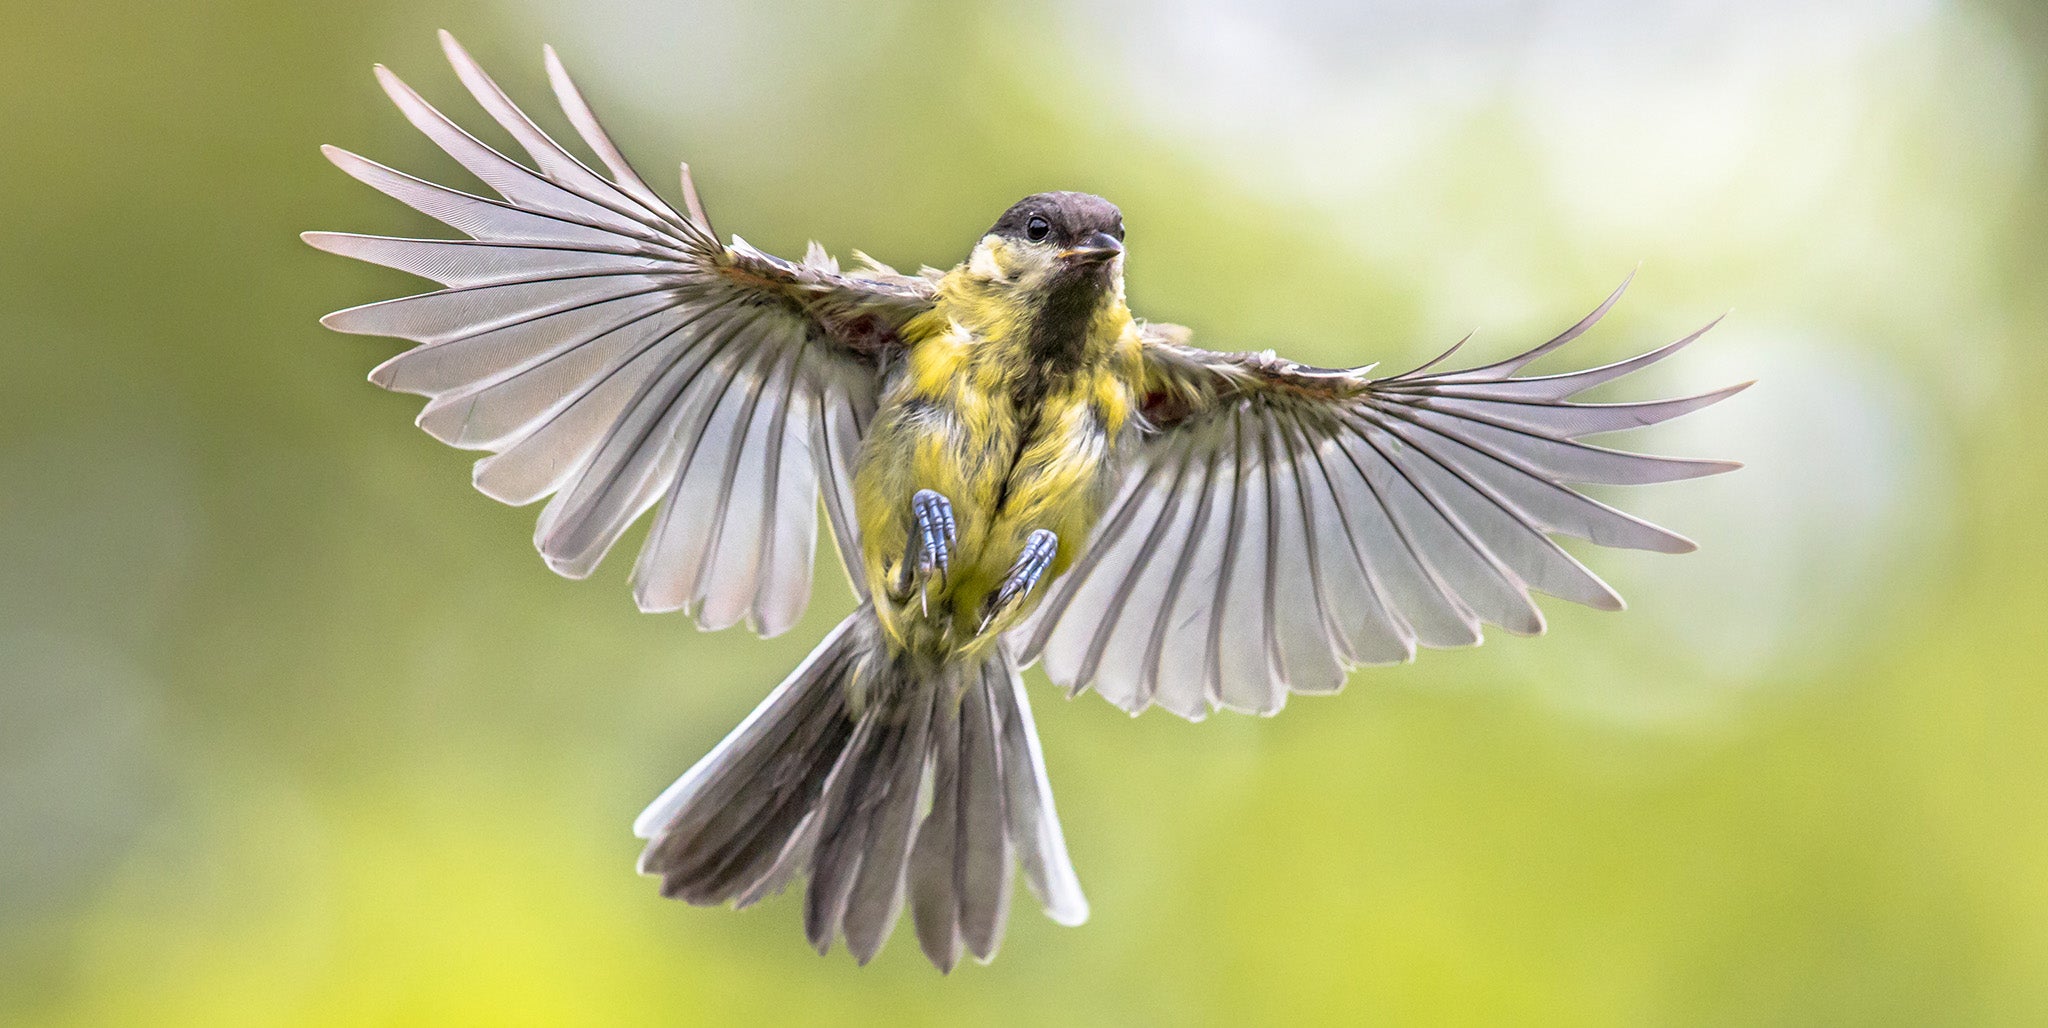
1037	229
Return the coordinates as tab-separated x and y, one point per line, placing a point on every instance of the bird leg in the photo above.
1031	565
930	548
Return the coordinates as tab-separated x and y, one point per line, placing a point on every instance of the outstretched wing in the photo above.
1280	524
609	351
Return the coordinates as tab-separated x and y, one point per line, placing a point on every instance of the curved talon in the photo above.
931	542
1031	565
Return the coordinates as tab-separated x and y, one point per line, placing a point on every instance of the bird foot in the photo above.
933	535
1031	566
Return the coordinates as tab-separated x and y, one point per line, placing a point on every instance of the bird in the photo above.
1014	468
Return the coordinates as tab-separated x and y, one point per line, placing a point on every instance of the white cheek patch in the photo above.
984	263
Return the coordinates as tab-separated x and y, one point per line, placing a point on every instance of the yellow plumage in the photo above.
977	418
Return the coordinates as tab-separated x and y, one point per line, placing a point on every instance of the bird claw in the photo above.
932	538
1031	565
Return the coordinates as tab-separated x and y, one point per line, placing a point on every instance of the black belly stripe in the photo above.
1029	429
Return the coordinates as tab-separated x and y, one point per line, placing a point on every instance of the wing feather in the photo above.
607	350
643	448
1365	630
515	182
553	161
1185	674
557	447
623	176
1302	647
1145	588
1238	672
1280	524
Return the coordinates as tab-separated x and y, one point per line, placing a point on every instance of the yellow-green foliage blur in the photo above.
296	728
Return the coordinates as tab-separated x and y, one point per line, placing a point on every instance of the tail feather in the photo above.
960	866
743	841
981	854
722	827
815	783
795	698
1034	824
796	856
877	897
845	817
934	909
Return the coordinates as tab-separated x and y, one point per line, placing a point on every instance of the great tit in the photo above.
1015	469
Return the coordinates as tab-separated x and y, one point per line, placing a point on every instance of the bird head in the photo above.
1054	240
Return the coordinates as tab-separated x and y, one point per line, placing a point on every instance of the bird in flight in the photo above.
1014	468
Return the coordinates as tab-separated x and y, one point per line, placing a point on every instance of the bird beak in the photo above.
1096	249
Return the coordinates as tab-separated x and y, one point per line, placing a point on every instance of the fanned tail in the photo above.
879	783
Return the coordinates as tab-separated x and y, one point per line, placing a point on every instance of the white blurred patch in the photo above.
1808	152
1326	97
702	62
1842	509
1646	114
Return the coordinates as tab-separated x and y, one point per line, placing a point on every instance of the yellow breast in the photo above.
1013	448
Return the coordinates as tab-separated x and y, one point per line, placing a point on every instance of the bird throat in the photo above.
1058	336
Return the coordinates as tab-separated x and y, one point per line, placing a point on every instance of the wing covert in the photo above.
1280	524
610	353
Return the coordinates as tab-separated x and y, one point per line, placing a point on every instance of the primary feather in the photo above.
1347	519
608	351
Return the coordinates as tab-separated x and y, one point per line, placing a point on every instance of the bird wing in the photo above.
1279	524
609	351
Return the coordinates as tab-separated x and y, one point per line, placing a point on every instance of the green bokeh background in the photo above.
295	728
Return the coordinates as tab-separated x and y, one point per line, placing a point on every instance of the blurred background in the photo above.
295	727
